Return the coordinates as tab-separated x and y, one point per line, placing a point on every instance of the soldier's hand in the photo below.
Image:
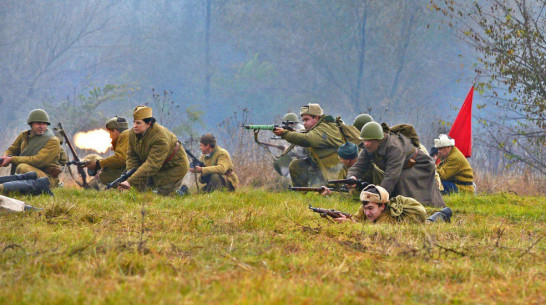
351	186
342	218
6	162
124	186
325	191
278	131
92	165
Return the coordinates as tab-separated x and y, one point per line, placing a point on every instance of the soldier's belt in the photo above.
175	150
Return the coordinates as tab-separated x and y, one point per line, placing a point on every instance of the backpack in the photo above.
404	129
348	132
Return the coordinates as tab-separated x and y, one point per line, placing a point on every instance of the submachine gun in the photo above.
76	160
124	176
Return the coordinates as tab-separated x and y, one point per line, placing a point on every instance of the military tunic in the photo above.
46	162
390	160
148	152
455	168
218	163
398	209
322	142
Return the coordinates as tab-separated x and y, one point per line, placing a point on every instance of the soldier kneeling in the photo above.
218	170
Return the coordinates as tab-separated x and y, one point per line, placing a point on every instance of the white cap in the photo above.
444	141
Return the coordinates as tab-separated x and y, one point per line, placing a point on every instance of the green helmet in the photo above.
292	117
361	120
372	131
38	115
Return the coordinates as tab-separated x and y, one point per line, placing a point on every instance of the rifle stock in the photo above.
76	161
329	213
124	176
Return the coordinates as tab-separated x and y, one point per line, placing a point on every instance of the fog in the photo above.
86	61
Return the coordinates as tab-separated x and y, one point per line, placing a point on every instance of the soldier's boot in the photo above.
183	191
25	176
33	187
444	214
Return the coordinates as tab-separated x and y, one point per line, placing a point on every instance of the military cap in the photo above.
117	123
433	151
142	112
372	131
208	139
444	141
374	194
311	109
38	115
348	151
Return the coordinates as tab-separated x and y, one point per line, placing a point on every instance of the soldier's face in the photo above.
140	127
38	128
444	151
114	134
371	145
347	162
205	149
373	210
309	121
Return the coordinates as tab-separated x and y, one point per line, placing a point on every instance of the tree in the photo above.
509	37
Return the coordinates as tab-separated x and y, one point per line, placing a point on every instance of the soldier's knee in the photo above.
24	168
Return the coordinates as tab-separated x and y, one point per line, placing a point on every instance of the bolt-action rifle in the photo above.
319	190
285	125
124	176
360	184
77	161
329	213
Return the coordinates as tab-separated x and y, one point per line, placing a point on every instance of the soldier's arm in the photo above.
449	169
15	148
118	160
395	159
159	151
45	156
223	165
362	165
312	138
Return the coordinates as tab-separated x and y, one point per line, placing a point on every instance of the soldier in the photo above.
36	150
156	153
112	167
392	161
218	172
361	120
292	152
454	169
378	208
322	140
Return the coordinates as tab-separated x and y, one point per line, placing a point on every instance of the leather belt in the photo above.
175	150
411	162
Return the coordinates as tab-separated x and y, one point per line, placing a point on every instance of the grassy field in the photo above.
258	247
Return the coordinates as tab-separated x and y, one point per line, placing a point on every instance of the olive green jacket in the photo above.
455	168
149	151
219	162
119	146
398	209
322	141
49	155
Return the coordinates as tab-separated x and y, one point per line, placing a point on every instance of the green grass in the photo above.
258	247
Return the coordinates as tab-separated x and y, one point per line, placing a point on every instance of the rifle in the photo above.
124	176
325	213
360	184
76	160
316	189
285	125
193	164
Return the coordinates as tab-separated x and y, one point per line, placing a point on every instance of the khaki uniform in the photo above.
218	172
114	166
398	209
455	168
389	168
48	160
148	153
322	142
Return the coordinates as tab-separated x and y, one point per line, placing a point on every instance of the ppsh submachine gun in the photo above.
325	213
76	160
124	176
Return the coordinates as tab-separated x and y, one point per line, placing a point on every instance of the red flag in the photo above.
461	130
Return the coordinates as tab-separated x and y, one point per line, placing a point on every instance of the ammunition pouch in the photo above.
411	162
